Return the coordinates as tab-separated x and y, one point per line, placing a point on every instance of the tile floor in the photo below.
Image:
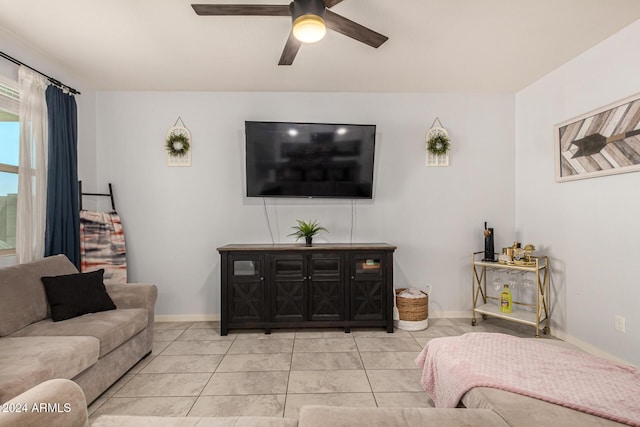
193	371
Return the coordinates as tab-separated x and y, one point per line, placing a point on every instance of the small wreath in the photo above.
177	145
438	144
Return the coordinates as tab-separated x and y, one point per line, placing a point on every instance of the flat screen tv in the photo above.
309	160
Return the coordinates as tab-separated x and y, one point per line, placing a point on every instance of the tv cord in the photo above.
266	214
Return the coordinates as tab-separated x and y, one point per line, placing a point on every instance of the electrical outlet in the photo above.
620	324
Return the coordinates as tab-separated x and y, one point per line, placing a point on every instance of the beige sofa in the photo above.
516	411
522	411
94	350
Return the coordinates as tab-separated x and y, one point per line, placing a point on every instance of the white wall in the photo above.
175	218
589	227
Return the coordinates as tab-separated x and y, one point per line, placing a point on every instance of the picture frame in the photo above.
602	142
437	159
184	158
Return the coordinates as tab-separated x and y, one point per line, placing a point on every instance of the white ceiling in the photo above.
434	45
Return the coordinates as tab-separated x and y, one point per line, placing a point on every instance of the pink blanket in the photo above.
454	365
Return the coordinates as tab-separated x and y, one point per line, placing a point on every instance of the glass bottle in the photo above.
506	300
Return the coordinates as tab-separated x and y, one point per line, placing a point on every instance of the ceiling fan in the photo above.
310	20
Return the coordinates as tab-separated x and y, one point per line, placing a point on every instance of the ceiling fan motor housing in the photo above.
308	20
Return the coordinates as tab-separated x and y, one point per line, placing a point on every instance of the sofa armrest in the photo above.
342	416
136	295
55	403
133	295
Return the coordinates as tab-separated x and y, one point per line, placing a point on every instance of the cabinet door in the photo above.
247	293
326	292
288	277
367	286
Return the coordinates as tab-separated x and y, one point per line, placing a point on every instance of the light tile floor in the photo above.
193	371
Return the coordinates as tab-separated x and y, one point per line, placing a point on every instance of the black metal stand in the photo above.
488	246
109	194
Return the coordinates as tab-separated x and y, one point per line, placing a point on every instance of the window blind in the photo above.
9	102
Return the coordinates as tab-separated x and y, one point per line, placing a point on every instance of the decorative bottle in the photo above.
506	300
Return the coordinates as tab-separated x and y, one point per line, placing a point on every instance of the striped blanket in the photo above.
102	245
454	365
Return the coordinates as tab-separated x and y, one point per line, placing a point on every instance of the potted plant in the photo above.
307	229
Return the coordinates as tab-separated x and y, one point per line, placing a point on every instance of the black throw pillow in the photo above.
73	295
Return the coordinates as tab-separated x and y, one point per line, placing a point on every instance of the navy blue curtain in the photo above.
62	234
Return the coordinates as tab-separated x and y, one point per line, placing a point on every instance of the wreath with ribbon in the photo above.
177	144
438	144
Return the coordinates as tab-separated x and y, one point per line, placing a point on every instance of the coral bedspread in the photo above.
454	365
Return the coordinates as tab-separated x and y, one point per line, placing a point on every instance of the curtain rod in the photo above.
51	79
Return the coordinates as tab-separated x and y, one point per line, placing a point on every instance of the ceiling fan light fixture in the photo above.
308	20
309	28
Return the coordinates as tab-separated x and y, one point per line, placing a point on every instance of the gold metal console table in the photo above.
539	266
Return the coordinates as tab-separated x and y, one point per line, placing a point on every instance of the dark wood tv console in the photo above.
295	286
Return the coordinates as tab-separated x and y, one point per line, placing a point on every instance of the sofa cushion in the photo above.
22	297
524	411
112	328
73	295
142	421
25	362
321	416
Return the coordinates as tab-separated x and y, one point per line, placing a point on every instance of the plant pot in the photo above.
308	240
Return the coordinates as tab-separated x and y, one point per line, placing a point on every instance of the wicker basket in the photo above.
412	309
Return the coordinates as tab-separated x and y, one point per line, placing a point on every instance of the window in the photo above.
9	148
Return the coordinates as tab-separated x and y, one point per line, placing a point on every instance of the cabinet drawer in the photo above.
288	266
326	266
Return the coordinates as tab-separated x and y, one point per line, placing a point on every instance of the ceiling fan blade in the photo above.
290	50
331	3
354	30
241	9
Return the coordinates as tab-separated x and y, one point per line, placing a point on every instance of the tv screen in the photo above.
309	160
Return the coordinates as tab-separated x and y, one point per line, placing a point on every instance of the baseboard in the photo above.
187	317
216	317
